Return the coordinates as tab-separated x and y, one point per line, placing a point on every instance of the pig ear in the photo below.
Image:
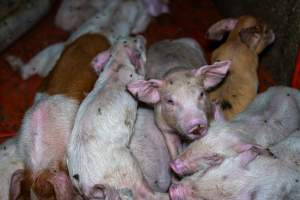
213	74
250	36
16	184
146	91
218	29
100	60
62	186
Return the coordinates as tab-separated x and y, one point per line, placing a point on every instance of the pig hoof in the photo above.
176	192
178	166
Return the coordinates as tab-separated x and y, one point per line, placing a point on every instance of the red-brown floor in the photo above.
189	18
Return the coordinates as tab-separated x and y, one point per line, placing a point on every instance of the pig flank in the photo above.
48	123
179	98
98	151
248	37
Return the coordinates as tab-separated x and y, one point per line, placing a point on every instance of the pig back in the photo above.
73	74
272	116
166	55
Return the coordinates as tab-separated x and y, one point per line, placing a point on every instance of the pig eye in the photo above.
201	95
170	102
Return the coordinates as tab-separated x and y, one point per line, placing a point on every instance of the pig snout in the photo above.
177	192
196	127
178	166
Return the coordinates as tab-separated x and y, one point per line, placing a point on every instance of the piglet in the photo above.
264	178
248	37
179	94
269	119
98	154
149	148
47	125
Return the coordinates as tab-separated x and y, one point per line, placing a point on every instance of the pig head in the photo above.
253	31
221	141
180	100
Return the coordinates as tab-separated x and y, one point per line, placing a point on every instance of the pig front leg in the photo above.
41	64
173	143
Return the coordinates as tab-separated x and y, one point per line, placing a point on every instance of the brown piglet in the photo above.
248	37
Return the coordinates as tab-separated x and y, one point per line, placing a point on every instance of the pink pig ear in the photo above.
146	91
15	190
213	74
100	60
218	29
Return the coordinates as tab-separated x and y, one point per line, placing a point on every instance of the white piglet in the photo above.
98	154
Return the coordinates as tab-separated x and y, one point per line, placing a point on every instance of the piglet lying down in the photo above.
98	154
265	178
273	116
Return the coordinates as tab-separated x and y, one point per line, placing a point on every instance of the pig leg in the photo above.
173	144
40	64
184	167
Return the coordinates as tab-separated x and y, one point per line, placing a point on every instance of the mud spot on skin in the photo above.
226	105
